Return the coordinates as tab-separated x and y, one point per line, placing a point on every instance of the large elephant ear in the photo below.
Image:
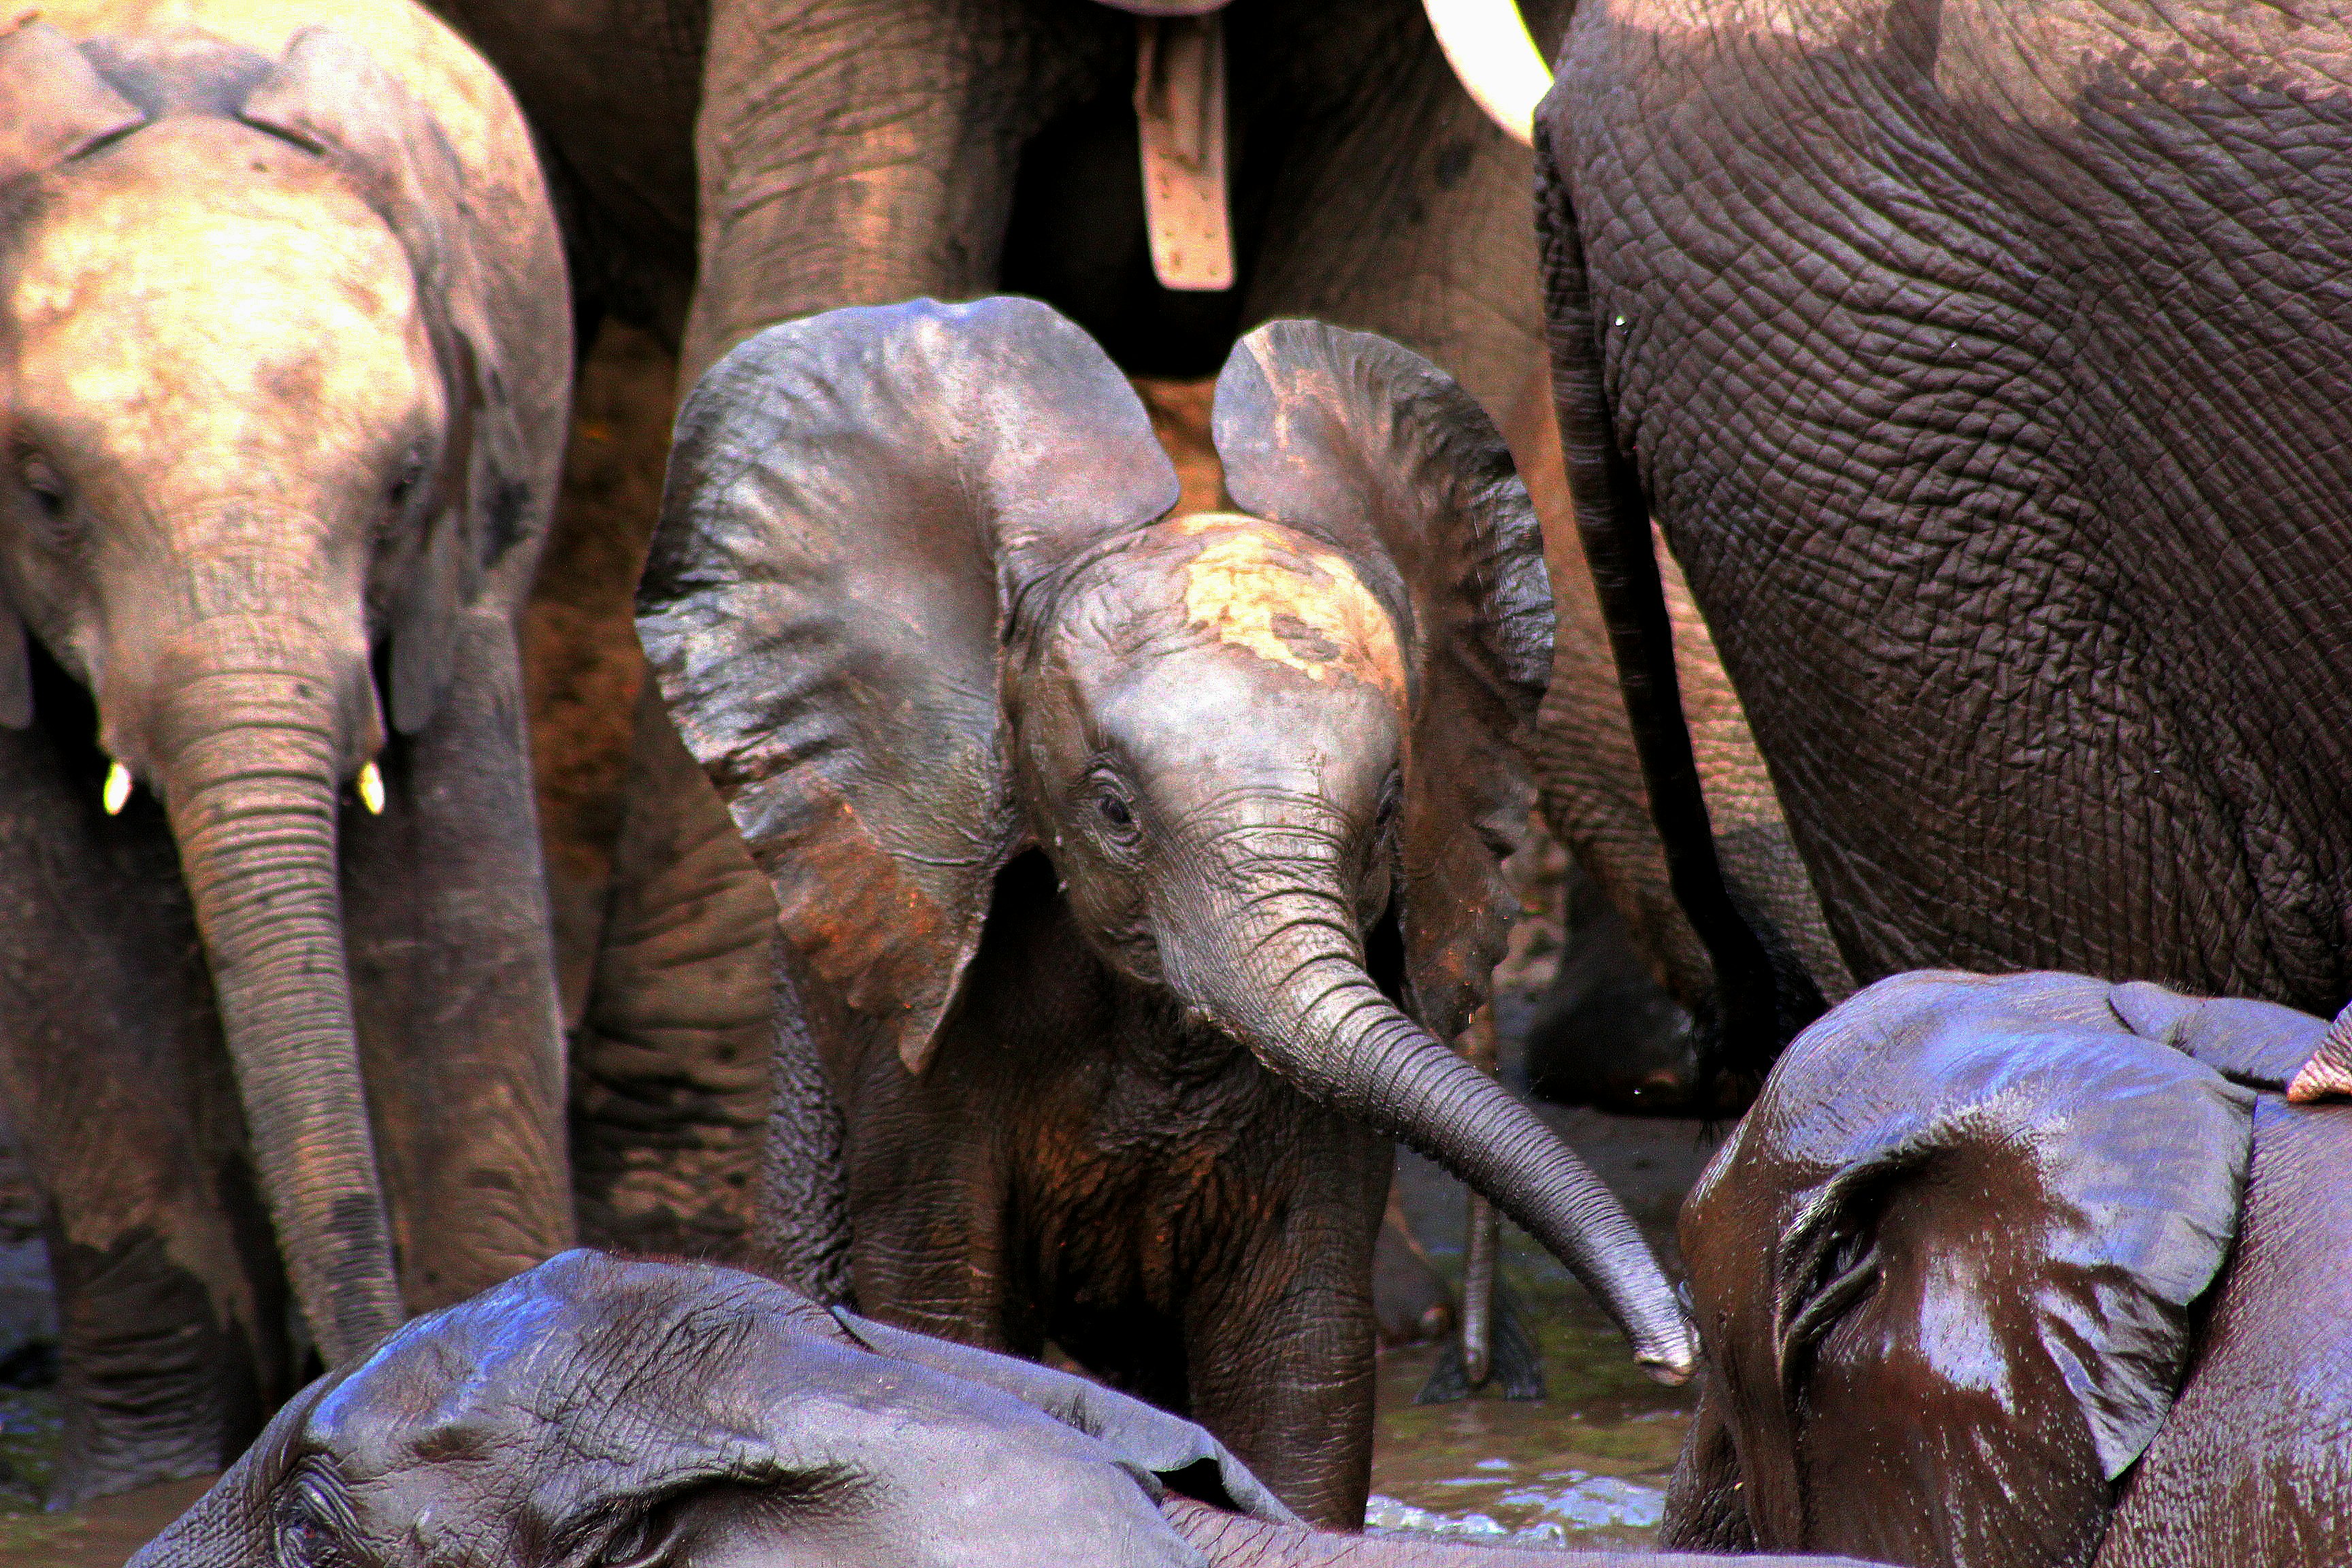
1984	1209
855	500
1369	448
329	97
55	107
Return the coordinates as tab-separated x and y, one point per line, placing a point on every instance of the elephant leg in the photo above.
880	162
454	990
171	1307
670	1070
581	664
1280	1342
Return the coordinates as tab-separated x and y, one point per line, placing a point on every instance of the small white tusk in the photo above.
1487	44
117	791
372	789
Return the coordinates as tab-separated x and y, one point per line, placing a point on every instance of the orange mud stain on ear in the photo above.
1260	586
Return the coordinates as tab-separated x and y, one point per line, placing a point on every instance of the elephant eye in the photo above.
640	1542
307	1537
1111	803
404	483
48	487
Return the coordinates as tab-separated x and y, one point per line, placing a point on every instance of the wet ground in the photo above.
1587	1465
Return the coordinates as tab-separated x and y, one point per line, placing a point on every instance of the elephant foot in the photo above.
1514	1365
1410	1297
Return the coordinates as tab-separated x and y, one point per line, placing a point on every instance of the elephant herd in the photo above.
1017	865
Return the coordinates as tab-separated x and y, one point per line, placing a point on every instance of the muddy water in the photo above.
1586	1466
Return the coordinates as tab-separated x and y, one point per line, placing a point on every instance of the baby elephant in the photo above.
629	1414
1133	870
2016	1272
285	361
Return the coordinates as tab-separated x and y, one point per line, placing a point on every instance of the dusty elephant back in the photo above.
526	291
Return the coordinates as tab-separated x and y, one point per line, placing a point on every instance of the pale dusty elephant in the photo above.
284	366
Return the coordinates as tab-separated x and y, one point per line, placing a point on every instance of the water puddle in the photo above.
1587	1466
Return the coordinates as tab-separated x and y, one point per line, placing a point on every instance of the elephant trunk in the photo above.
1284	974
248	760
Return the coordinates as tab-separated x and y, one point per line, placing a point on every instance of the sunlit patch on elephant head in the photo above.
1266	588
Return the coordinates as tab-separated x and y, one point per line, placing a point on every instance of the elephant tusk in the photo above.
371	783
117	791
1487	44
1180	108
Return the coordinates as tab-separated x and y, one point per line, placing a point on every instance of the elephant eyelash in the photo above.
402	488
1113	808
40	477
638	1543
311	1527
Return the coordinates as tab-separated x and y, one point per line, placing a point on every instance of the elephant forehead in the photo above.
1266	589
146	294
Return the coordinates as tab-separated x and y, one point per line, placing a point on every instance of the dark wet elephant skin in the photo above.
622	1412
2138	1362
1985	374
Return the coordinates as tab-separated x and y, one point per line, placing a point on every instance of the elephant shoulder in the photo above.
2254	1457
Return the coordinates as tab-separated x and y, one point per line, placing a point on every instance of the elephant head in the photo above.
611	1413
256	430
1947	1270
919	608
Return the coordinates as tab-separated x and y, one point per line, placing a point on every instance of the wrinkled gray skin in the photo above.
730	166
1134	868
281	419
1984	368
618	1413
2140	1365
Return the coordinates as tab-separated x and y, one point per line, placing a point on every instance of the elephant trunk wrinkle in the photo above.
1284	974
250	785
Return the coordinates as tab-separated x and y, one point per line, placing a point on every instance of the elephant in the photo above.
1949	349
761	1428
729	166
284	367
2022	1271
1132	868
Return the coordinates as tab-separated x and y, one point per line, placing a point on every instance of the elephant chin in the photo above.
1284	974
248	764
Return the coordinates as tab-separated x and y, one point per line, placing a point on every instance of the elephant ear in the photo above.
329	96
58	108
1182	1454
856	502
55	107
1352	439
1988	1209
2259	1043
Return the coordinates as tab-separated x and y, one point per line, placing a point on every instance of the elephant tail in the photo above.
1758	1005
